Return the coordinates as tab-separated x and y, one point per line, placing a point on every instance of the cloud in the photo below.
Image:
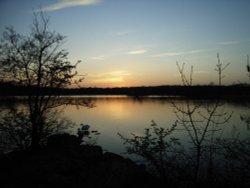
109	77
229	42
168	54
68	3
116	73
137	52
97	58
119	73
125	32
108	80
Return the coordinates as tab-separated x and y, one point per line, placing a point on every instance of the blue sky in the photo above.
138	42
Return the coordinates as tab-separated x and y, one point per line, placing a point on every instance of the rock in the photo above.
62	141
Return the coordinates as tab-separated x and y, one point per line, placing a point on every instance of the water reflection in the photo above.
113	114
125	115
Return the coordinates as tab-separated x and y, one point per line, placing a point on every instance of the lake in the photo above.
122	114
125	115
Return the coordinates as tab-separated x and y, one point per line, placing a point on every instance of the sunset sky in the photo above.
138	42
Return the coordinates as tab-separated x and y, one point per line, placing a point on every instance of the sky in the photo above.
138	42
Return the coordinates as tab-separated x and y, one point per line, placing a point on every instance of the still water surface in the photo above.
125	115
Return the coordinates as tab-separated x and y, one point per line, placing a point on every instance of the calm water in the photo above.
125	115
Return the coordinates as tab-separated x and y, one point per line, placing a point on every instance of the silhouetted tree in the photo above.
220	68
37	61
16	128
158	147
201	120
185	81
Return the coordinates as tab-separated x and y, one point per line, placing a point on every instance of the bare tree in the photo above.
37	61
201	120
220	68
185	81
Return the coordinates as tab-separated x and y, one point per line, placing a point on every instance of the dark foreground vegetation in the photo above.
65	163
207	162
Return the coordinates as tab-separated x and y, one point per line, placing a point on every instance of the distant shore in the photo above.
197	91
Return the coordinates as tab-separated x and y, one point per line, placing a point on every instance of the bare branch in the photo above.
220	68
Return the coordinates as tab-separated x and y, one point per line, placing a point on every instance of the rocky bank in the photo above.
65	163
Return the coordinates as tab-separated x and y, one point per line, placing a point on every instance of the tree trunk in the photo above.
35	138
197	165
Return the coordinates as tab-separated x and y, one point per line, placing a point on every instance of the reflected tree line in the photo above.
38	61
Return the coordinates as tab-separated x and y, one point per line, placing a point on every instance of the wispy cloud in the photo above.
122	33
137	52
168	54
229	42
68	3
119	73
115	73
125	32
109	77
97	58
